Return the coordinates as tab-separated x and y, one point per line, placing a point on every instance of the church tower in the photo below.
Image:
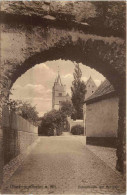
58	93
90	87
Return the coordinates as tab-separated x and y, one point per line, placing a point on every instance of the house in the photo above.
101	116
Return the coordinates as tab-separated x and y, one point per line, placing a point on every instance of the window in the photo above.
60	94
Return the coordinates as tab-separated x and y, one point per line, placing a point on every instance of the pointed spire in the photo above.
58	79
58	70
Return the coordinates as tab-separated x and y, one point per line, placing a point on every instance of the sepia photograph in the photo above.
63	97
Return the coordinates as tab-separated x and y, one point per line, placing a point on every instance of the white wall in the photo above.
76	122
102	118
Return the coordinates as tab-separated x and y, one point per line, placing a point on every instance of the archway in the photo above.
25	44
106	55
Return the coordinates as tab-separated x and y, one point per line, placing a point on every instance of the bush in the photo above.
50	132
52	121
77	130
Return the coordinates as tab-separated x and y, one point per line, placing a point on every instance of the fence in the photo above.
18	134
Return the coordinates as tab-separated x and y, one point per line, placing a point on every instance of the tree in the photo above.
53	120
78	92
67	108
111	15
24	109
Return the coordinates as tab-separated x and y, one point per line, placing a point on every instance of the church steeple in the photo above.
58	78
58	92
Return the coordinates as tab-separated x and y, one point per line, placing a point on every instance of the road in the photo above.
63	165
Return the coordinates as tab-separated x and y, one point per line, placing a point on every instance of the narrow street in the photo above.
62	165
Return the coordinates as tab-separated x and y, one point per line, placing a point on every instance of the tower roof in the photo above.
58	80
90	80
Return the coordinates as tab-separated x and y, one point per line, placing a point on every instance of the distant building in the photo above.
101	116
90	87
59	93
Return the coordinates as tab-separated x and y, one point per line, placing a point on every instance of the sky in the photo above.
35	85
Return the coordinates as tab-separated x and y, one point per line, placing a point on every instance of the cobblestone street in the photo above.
63	165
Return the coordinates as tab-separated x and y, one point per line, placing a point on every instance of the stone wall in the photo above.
18	134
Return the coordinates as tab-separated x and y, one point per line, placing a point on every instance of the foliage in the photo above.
52	121
67	108
111	15
24	109
77	130
78	92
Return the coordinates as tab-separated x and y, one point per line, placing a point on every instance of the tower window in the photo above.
60	94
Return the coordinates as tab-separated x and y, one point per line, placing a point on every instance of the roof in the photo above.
58	80
102	91
90	80
67	94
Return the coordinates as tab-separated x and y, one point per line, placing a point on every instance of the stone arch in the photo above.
98	54
25	44
105	54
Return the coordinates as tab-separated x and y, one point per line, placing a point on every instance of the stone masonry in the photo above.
18	135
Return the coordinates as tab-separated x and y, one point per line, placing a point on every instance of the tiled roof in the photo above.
104	89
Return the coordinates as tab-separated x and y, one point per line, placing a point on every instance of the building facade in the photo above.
101	116
59	93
